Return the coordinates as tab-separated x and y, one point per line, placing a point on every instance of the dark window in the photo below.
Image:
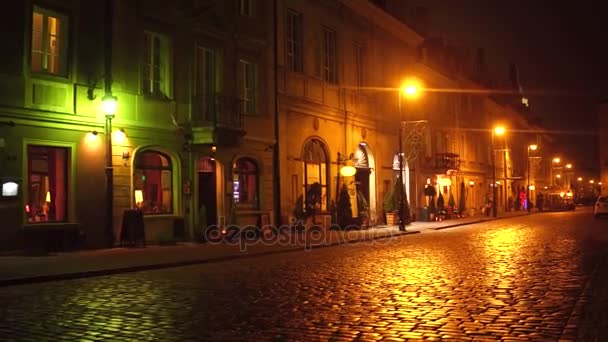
294	41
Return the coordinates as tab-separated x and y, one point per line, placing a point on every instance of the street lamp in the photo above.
411	89
498	130
532	147
109	104
554	162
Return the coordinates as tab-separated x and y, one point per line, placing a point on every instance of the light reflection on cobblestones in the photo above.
487	281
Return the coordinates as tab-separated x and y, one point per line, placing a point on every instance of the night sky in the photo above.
559	47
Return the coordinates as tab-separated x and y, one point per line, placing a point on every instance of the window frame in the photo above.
330	55
63	36
248	97
165	57
325	189
171	167
68	175
246	8
294	41
359	64
206	98
236	175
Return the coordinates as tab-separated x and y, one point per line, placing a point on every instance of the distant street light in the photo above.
498	130
532	147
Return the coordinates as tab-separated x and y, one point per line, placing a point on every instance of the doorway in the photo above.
362	182
207	191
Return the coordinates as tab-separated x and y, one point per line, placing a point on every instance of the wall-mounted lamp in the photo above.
471	183
119	136
92	136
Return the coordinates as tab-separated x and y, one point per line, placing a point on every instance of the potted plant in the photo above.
451	205
390	208
432	208
363	211
430	192
345	212
441	212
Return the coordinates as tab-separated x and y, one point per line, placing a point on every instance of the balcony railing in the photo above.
447	161
217	110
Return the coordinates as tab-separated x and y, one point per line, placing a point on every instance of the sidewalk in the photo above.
29	269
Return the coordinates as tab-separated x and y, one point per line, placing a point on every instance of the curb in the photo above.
159	266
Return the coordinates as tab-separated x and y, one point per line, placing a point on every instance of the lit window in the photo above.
248	85
207	83
156	66
47	176
49	42
153	177
294	41
315	175
329	56
245	182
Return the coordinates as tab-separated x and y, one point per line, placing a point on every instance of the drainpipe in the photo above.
108	126
275	151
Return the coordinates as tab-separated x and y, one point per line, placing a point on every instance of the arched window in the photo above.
315	170
153	182
245	182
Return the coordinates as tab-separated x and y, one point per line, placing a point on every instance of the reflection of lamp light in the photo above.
139	197
48	197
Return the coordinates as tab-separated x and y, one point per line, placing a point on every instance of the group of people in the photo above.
540	200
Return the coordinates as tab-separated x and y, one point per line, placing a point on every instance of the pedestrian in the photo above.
540	201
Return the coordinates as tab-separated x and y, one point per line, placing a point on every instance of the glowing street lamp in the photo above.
568	166
411	89
556	160
498	130
580	179
532	147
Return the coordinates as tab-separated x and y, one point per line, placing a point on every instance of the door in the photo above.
362	182
207	191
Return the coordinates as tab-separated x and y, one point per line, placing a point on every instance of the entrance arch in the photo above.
209	201
365	177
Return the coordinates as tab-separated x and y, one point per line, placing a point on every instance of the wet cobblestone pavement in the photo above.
539	277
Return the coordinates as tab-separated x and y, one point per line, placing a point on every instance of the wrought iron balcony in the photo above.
447	161
218	110
217	119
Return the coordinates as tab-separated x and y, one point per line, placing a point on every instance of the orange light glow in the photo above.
119	137
499	130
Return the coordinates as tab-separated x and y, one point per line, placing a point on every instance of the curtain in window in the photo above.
153	177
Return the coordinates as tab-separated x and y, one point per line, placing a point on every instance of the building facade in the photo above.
231	112
190	144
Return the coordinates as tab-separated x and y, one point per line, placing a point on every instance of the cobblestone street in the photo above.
537	277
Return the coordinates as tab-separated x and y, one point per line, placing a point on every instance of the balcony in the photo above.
217	119
444	162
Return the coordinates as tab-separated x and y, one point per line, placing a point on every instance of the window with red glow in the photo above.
47	179
153	177
245	182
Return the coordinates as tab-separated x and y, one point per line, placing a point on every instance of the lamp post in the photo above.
532	147
554	162
410	89
499	130
109	108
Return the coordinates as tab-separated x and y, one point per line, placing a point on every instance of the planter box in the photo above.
392	219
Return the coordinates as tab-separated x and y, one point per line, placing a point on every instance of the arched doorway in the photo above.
207	202
365	179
